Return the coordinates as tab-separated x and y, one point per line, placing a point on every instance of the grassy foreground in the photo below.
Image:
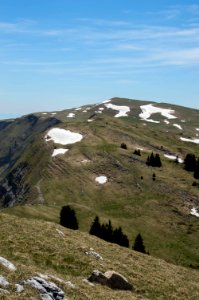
43	247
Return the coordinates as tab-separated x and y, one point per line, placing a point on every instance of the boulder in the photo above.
111	279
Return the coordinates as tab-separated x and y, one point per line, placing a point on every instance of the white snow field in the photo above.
123	110
101	179
62	136
178	126
149	109
195	141
59	151
71	115
173	157
106	101
7	264
194	212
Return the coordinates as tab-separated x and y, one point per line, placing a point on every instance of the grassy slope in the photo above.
159	210
37	247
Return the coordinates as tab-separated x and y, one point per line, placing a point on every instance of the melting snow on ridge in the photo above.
71	115
101	179
194	212
106	101
123	110
7	264
62	136
195	141
149	109
59	151
173	157
178	126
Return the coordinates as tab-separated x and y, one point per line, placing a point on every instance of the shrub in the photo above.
68	218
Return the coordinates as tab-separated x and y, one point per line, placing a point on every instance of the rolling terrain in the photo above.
37	179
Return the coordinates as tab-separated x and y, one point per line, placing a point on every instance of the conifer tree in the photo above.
190	162
196	172
138	244
68	218
95	227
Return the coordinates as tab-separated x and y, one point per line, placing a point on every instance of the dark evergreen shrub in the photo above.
138	244
123	146
68	218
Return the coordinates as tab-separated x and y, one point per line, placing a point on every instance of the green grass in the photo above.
37	247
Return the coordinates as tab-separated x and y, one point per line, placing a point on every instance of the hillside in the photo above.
37	175
62	256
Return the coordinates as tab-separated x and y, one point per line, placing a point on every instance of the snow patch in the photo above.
7	264
53	113
44	113
123	110
90	120
149	109
62	136
78	108
71	115
183	121
106	101
101	179
197	129
194	212
195	141
178	126
167	122
101	108
59	151
174	157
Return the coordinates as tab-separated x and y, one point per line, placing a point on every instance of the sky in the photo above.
65	53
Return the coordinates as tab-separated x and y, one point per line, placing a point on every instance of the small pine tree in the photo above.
196	172
190	162
137	152
138	244
95	227
123	146
68	218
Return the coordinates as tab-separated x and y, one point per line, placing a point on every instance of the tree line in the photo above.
104	231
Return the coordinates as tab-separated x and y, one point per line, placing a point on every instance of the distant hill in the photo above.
74	157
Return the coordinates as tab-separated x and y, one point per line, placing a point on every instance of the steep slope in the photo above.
160	209
63	256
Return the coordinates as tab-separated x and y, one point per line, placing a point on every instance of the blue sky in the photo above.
65	53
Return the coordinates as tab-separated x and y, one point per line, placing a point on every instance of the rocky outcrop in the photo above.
48	290
111	279
13	187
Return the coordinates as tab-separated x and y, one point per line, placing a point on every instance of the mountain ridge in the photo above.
160	209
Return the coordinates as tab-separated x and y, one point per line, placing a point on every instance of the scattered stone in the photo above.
60	232
7	264
117	281
3	281
91	252
19	288
47	290
87	282
4	291
111	279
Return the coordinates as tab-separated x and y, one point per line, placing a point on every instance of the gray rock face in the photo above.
47	290
111	279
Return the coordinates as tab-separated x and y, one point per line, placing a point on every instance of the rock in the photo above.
98	277
91	252
87	282
111	279
4	291
48	290
7	264
3	281
117	281
19	288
